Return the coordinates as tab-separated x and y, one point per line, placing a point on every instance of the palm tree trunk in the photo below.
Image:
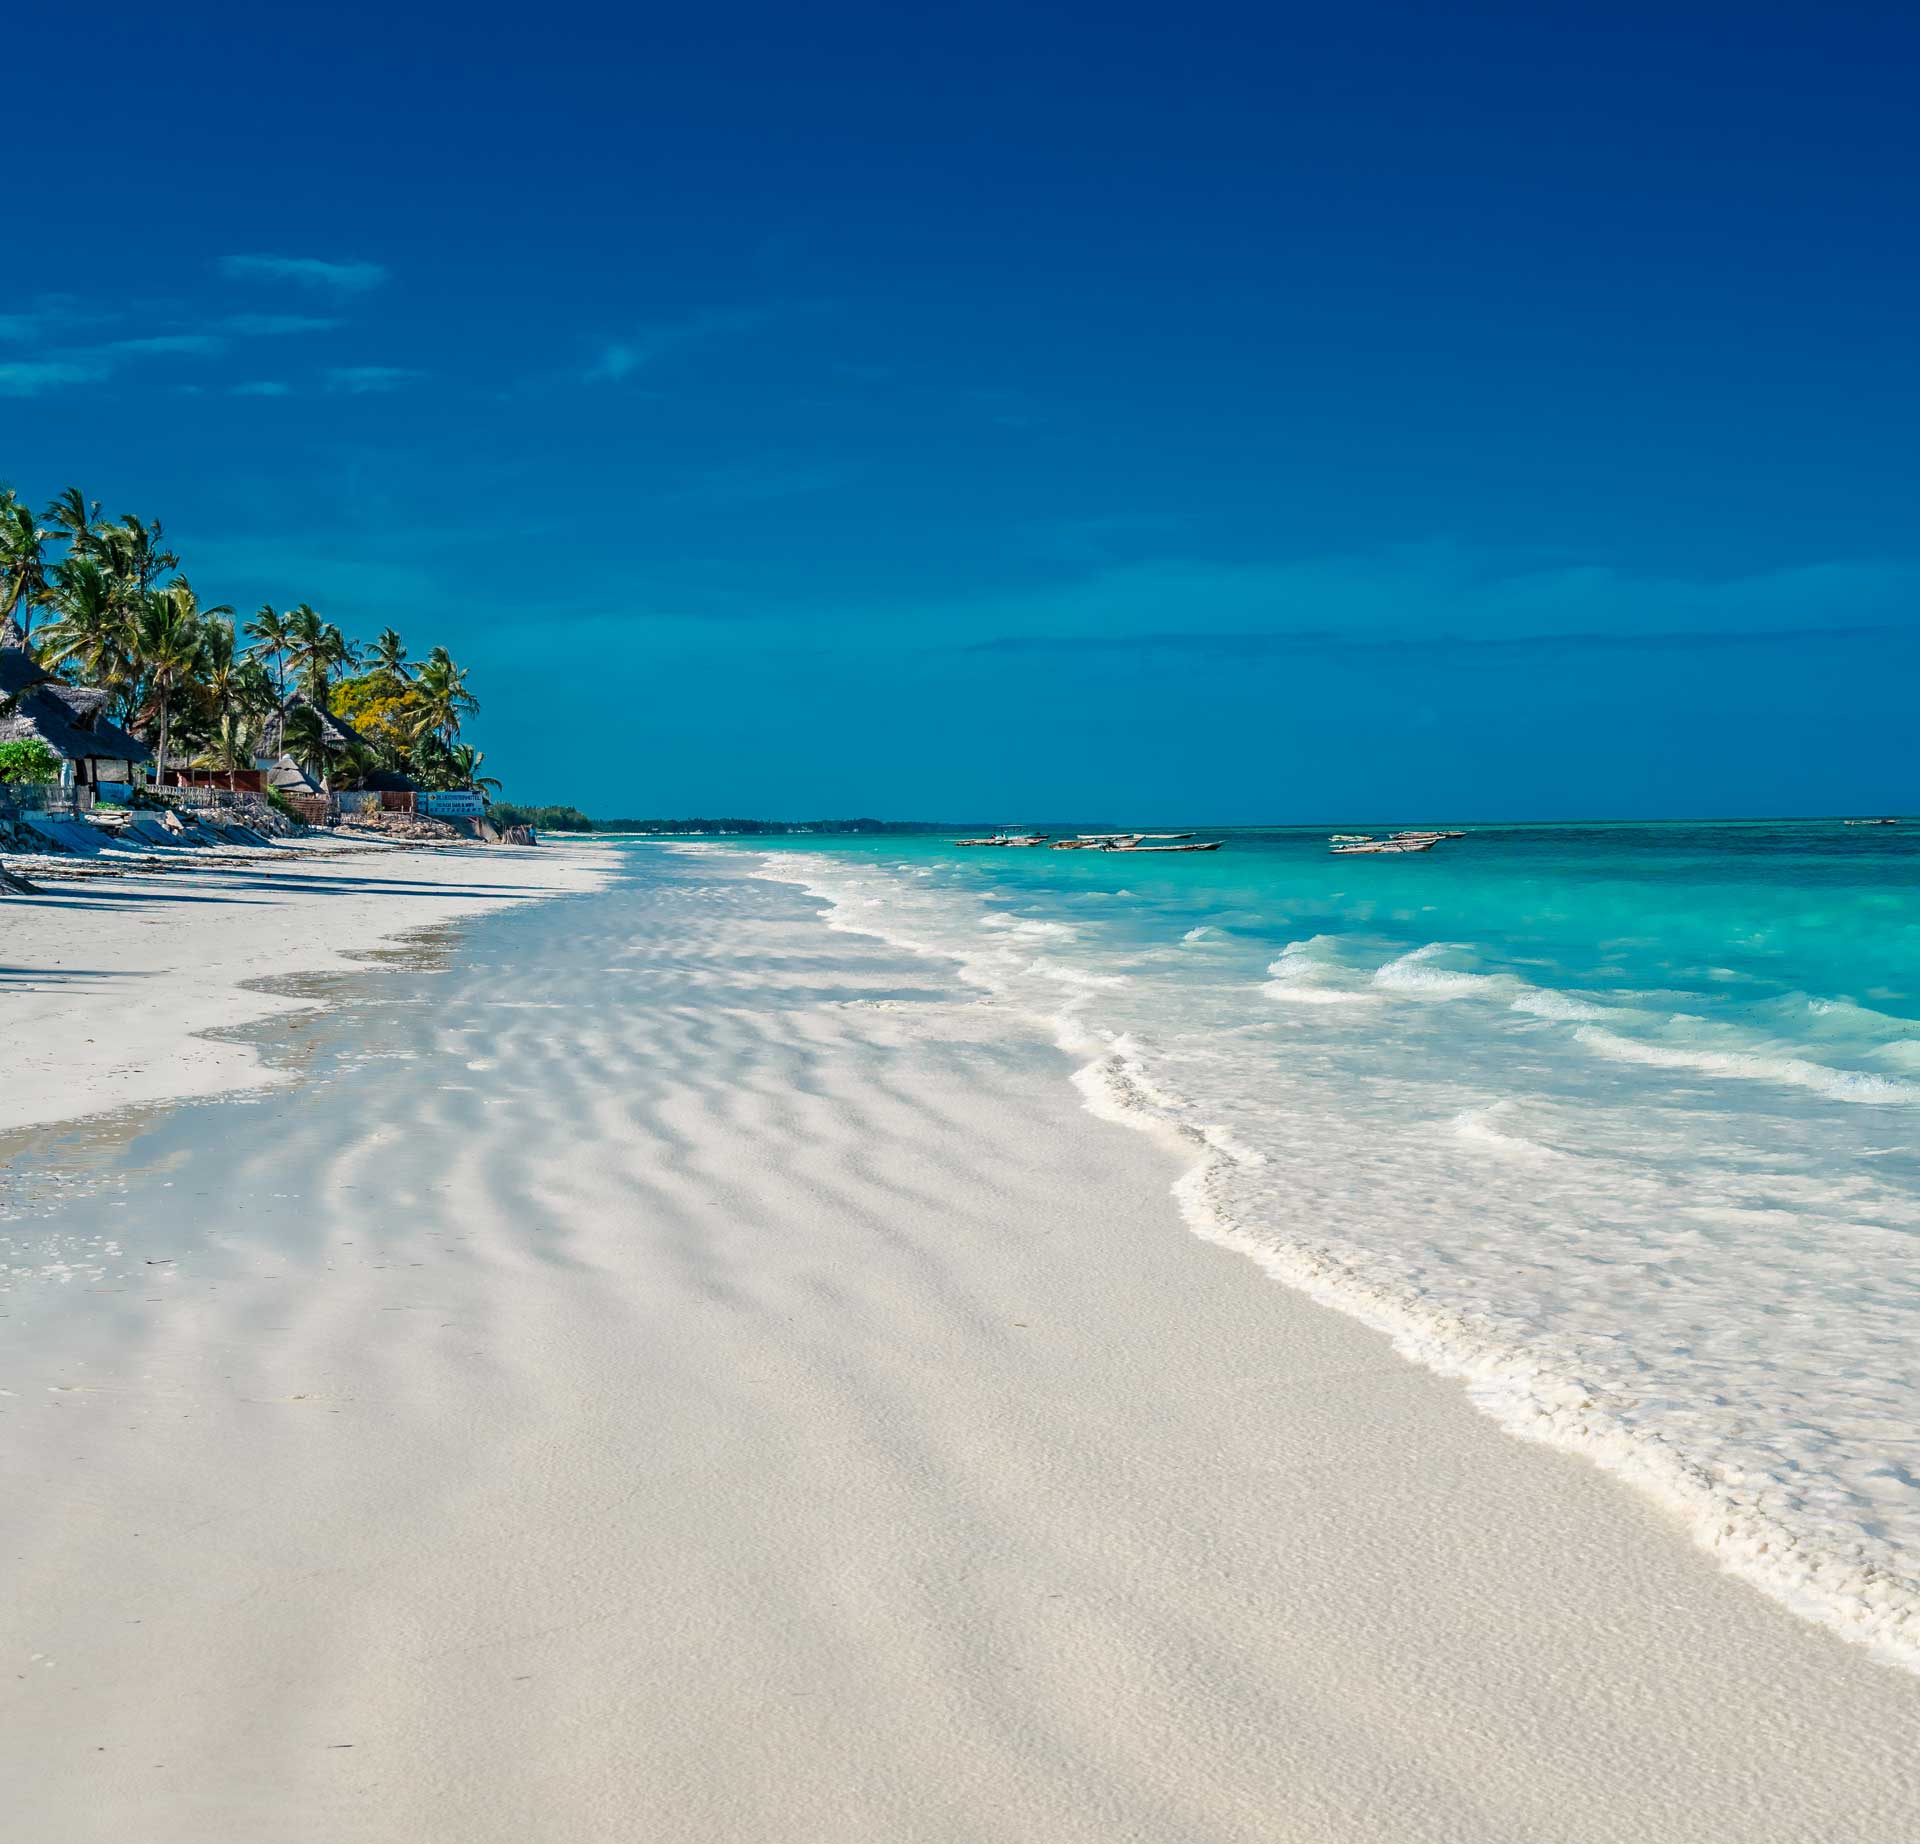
160	756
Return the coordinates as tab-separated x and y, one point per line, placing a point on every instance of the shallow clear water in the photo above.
1620	1123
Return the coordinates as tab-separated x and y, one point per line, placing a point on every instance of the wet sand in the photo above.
658	1368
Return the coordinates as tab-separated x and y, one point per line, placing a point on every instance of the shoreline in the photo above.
719	1382
112	983
1853	1590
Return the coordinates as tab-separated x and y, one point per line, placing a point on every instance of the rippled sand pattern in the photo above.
665	1370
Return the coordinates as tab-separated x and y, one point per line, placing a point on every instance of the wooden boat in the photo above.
1389	847
1870	822
1349	838
1007	838
1198	845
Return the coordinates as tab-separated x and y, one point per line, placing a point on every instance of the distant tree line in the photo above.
571	819
103	602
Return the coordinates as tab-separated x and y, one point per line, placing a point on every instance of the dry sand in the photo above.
681	1373
105	984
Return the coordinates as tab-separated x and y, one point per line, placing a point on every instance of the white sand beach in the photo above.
107	986
667	1370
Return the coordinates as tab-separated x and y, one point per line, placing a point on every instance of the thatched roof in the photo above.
388	781
283	772
335	731
18	668
68	719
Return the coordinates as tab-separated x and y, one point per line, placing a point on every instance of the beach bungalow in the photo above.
70	719
280	770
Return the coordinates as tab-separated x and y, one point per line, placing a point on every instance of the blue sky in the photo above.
1241	413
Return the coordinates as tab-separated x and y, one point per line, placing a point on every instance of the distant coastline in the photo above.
571	819
559	818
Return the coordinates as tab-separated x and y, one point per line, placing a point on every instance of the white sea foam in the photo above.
1028	927
1857	1587
1545	1002
1699	1298
1477	1127
1752	1066
1415	975
1304	974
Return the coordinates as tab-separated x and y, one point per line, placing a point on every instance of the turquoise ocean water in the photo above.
1618	1123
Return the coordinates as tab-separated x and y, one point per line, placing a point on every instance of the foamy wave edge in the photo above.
1863	1600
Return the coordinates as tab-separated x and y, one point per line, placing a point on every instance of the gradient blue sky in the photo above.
1251	413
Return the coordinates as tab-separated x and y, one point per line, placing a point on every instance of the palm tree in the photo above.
232	744
90	625
268	632
305	739
233	685
167	641
316	649
72	517
135	551
465	762
388	656
441	698
23	562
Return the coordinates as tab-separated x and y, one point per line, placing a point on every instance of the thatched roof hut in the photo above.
335	731
70	719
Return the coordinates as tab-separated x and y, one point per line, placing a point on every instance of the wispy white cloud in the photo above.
620	358
261	387
358	380
346	278
34	377
193	345
267	326
62	362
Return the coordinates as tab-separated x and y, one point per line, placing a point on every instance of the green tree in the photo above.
388	657
268	632
90	630
316	650
135	551
168	638
466	762
305	739
234	693
73	518
29	759
23	562
440	698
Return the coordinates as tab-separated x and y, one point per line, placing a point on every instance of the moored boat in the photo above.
1198	845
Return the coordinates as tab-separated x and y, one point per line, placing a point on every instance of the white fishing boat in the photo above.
1349	838
1198	845
1386	847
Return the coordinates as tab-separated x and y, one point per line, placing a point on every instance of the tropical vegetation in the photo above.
104	602
29	760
